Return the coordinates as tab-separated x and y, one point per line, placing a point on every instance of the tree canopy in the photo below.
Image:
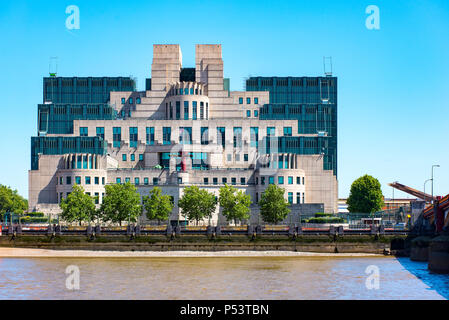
273	206
197	204
234	204
11	201
365	195
121	203
157	205
78	206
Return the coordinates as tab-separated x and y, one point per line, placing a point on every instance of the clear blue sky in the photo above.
393	82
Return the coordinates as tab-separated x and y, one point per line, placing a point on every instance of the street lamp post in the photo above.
434	166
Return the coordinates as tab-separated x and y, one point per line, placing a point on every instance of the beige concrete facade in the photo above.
181	106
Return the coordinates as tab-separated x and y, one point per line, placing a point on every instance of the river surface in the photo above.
221	278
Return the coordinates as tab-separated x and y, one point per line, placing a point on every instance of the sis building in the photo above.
187	128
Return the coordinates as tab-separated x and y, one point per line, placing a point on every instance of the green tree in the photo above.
121	203
11	201
197	203
365	195
157	206
273	206
234	204
78	206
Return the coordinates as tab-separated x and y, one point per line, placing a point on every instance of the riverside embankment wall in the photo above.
320	244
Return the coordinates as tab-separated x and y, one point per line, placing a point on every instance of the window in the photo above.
240	100
116	136
298	197
280	180
248	113
102	180
281	161
136	181
298	180
97	180
254	137
185	135
127	179
237	137
245	157
256	100
204	135
178	109
124	157
237	157
206	180
242	181
171	111
166	135
215	181
186	110
302	180
194	110
87	180
233	181
224	180
290	180
221	136
201	110
191	90
130	100
257	197
290	197
100	132
287	131
83	132
150	135
303	198
123	100
179	180
271	180
85	162
138	101
271	131
68	180
155	181
78	180
262	180
133	137
229	157
141	157
145	181
97	196
248	100
61	180
133	157
118	180
256	113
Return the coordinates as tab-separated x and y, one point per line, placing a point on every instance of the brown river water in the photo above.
220	278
